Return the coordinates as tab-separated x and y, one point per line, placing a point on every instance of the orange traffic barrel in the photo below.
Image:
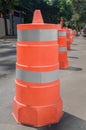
61	22
68	39
71	36
74	32
59	26
62	41
37	101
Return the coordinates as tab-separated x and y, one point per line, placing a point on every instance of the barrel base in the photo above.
68	47
37	116
64	65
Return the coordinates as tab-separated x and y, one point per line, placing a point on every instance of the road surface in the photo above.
73	88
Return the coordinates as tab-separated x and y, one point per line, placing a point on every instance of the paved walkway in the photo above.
73	88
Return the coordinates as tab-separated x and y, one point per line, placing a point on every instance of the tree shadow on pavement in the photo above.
7	57
7	47
7	60
8	66
8	53
3	75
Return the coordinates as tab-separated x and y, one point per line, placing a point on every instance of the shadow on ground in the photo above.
8	53
73	57
6	46
73	50
3	75
7	59
68	122
7	67
73	69
74	44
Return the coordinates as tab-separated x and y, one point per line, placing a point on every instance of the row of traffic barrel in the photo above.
65	40
41	52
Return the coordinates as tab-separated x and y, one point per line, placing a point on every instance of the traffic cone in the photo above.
37	17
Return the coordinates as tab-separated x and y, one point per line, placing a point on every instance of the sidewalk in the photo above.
73	88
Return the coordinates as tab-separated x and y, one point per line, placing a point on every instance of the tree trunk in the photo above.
78	29
12	25
5	24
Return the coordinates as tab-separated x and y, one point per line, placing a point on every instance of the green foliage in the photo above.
62	8
57	8
66	10
52	10
79	9
7	6
12	3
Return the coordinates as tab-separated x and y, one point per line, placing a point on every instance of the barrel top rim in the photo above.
62	30
36	25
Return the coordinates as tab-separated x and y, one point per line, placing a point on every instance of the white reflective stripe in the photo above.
37	35
37	77
62	34
62	49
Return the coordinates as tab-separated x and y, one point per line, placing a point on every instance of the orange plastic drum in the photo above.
37	101
62	41
68	40
71	36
